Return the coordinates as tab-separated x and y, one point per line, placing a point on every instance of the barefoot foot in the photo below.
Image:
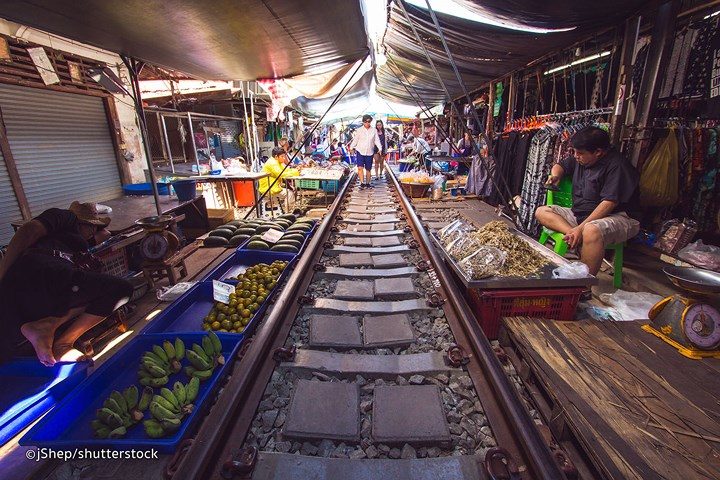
40	334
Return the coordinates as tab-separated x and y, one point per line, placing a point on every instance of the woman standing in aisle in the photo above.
380	154
466	146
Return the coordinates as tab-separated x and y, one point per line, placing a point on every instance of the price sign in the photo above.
222	291
272	236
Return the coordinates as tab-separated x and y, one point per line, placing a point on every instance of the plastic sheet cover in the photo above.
210	39
483	52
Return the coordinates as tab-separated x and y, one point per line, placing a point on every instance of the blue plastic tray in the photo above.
239	261
68	425
186	314
30	389
145	189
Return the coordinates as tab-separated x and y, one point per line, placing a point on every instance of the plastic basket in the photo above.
186	190
331	186
416	190
114	262
491	306
308	184
68	425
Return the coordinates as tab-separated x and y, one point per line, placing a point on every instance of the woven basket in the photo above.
416	190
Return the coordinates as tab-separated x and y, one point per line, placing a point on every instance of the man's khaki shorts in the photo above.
615	228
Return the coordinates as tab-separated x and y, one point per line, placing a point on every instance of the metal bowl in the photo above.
695	280
160	221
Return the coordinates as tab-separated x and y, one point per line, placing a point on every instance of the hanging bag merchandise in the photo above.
659	178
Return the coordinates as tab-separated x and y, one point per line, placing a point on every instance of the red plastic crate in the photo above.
492	305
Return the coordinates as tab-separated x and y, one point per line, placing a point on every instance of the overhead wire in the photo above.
306	137
509	202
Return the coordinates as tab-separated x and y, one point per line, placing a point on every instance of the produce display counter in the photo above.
81	420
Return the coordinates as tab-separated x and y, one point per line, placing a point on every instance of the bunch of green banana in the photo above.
169	408
158	364
203	359
120	411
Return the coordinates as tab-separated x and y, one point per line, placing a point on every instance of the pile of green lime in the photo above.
252	290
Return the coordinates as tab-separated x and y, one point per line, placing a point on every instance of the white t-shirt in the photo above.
364	140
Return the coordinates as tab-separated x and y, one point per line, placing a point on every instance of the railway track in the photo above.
370	365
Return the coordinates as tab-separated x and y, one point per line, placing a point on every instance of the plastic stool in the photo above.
561	248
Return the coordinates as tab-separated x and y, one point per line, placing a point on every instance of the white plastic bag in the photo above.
168	294
704	256
571	270
631	305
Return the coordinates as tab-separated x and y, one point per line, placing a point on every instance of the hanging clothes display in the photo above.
548	141
699	170
699	68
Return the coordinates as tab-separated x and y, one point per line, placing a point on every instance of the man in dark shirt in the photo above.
43	283
605	188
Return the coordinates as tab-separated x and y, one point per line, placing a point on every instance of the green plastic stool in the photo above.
563	197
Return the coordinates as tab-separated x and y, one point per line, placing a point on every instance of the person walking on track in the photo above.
363	143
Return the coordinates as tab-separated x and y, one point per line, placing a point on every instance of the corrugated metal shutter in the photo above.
9	209
62	146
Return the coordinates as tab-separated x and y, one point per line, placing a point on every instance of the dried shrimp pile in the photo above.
522	260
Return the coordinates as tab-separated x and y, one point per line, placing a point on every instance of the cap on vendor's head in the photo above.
87	213
367	118
277	151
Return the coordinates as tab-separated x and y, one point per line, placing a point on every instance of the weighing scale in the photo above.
159	243
690	324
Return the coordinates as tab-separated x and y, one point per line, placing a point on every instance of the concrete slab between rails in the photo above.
338	249
324	410
285	466
364	233
384	366
368	272
369	220
356	307
376	211
335	331
409	414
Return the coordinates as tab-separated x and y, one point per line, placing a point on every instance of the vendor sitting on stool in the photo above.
274	168
605	187
45	282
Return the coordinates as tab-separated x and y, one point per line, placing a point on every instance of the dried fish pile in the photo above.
522	261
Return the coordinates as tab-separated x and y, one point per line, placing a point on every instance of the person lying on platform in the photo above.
274	168
47	279
605	189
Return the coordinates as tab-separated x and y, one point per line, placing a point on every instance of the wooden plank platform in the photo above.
634	406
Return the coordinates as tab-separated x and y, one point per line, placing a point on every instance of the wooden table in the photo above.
227	180
128	209
623	397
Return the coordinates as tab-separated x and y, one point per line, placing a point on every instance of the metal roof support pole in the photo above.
192	140
512	99
510	204
491	110
632	30
660	46
167	141
134	67
256	140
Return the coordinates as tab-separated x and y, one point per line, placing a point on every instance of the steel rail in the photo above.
540	460
222	415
